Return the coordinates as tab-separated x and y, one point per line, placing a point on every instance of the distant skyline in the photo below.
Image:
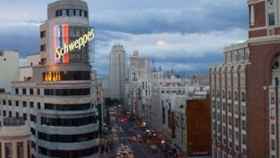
179	34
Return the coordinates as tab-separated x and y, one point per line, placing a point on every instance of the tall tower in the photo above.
64	122
117	72
68	125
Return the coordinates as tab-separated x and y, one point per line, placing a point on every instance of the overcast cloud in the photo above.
179	34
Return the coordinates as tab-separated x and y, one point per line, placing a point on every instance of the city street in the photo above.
140	150
123	133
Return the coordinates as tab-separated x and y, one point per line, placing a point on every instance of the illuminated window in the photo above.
66	76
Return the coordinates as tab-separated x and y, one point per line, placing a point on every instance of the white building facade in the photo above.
117	72
9	68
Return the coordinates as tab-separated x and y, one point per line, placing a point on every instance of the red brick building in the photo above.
245	89
198	124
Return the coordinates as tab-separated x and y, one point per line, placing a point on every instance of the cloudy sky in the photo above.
187	35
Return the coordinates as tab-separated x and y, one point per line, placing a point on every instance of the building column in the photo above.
14	149
25	145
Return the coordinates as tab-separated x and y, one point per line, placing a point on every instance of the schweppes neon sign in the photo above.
63	44
77	44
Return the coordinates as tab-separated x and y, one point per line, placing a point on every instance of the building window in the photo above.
58	13
71	12
43	33
8	150
69	122
62	153
16	91
10	114
67	138
235	95
243	110
31	104
38	92
67	92
25	116
31	92
243	125
272	129
4	113
67	12
271	19
24	104
67	107
163	115
64	13
86	14
272	100
270	2
243	139
28	148
229	95
38	105
42	47
10	102
33	118
243	97
75	12
17	103
272	144
23	91
66	76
